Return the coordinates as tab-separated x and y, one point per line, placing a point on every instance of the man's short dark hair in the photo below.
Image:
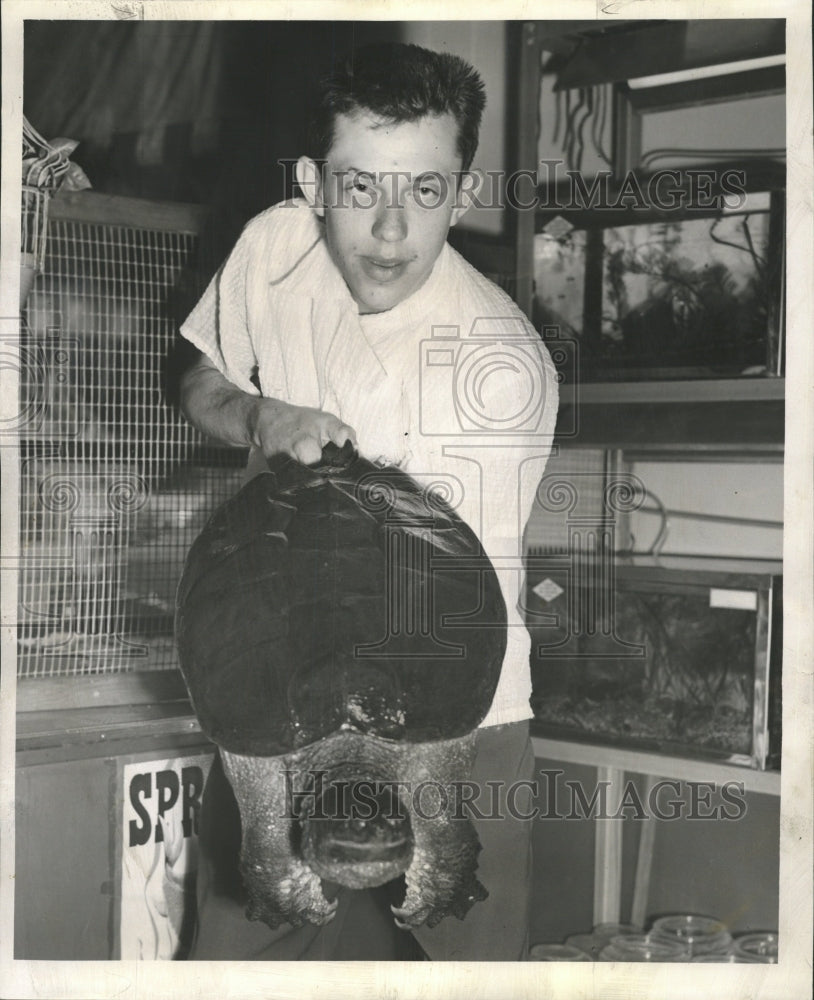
402	83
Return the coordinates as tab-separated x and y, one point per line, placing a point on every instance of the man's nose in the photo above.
390	224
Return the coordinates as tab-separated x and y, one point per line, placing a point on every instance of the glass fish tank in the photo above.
657	294
678	655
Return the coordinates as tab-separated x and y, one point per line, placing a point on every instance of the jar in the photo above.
643	948
760	947
557	953
593	943
700	935
727	958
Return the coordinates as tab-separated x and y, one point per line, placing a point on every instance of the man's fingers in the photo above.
306	450
343	433
302	432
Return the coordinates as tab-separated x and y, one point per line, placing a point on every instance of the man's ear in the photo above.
469	183
309	179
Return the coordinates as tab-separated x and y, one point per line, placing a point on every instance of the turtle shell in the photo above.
337	597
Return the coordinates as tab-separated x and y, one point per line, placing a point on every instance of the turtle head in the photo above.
357	832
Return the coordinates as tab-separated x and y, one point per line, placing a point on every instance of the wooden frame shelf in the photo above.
658	765
750	426
729	390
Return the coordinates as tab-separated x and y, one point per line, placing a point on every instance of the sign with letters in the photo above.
161	810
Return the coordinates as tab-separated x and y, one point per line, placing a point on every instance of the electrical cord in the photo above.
666	515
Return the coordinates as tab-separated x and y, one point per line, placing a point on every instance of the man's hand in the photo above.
222	411
299	431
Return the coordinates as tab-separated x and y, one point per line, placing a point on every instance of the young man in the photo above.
346	314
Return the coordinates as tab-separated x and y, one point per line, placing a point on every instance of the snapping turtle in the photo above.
341	634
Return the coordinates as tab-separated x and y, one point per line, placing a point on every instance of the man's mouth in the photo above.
383	269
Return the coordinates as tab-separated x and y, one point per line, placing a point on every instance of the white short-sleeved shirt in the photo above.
452	384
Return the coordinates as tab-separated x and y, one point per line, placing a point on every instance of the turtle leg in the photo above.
282	888
441	879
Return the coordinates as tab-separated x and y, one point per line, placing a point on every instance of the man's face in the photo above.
389	196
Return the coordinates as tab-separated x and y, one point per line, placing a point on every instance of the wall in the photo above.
755	124
64	876
728	869
737	490
483	44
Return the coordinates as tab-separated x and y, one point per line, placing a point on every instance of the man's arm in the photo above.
217	408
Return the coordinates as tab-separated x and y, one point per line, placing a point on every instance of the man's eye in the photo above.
360	184
428	193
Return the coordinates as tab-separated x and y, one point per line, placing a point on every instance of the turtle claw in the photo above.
322	915
294	897
406	919
430	899
274	915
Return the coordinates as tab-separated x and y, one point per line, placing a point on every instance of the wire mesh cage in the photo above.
114	484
